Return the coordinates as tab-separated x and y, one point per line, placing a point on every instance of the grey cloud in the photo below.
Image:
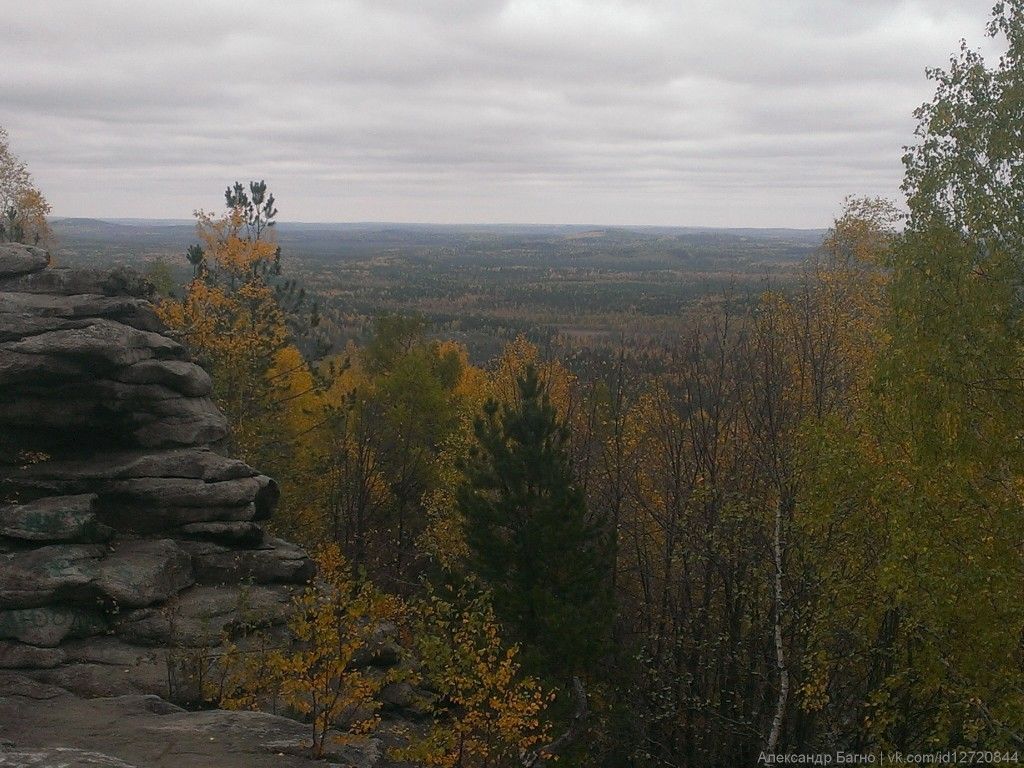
619	111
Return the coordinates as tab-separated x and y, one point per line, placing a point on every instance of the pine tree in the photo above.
530	537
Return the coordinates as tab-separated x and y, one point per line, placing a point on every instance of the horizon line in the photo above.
367	222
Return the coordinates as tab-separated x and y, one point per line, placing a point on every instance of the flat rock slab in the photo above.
49	625
133	574
100	342
15	655
274	562
45	312
190	463
202	615
120	281
239	533
180	375
59	757
46	726
54	518
47	575
104	666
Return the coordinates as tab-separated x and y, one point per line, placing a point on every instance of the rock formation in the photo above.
127	538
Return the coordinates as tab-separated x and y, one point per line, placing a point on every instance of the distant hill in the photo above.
133	228
484	284
74	233
89	240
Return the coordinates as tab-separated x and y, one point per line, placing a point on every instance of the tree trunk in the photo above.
780	651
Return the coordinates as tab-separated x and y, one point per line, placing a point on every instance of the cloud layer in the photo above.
688	112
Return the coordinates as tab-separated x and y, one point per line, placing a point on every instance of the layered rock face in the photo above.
128	541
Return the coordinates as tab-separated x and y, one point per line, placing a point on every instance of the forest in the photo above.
570	289
773	516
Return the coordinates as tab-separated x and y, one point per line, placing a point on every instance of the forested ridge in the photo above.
800	531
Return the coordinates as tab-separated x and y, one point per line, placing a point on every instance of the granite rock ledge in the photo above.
126	534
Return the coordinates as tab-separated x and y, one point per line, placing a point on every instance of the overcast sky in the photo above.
679	112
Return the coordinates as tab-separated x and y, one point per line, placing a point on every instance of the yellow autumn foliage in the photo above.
512	364
233	325
314	674
490	714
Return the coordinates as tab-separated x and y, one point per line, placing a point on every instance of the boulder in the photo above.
408	700
155	418
110	651
24	366
16	259
103	344
382	649
140	573
16	685
197	423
